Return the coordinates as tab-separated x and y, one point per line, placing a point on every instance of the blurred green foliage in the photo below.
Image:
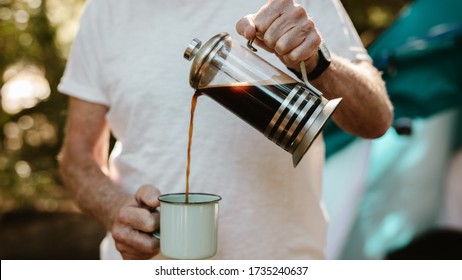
32	62
371	17
35	39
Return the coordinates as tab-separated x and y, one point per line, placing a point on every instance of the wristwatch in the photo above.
324	60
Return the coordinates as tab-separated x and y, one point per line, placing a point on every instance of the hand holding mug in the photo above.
134	224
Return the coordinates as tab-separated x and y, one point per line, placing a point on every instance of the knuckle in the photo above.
299	12
269	40
292	57
281	48
143	189
147	246
119	235
154	248
316	41
149	222
308	24
259	25
123	216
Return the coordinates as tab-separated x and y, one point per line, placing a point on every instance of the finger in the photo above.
289	41
262	45
291	17
275	31
133	242
246	27
129	253
147	196
139	219
267	15
306	51
296	23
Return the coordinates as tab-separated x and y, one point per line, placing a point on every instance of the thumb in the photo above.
147	196
246	27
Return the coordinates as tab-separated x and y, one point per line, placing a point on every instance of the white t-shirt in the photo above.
128	55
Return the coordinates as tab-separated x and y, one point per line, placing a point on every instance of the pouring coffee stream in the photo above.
288	112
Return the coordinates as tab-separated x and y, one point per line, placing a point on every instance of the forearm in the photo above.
126	216
95	193
365	110
83	161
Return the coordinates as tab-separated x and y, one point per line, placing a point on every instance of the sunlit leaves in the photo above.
32	112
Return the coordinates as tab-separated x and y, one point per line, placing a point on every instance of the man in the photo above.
126	75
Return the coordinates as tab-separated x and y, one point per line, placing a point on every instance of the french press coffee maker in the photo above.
288	112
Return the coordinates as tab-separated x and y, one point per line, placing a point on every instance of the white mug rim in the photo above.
214	198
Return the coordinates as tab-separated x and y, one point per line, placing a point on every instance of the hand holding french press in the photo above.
284	28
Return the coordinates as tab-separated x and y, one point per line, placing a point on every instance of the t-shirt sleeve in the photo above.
82	77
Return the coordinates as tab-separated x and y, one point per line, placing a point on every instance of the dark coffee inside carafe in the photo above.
258	104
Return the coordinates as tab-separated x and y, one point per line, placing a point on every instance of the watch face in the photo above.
325	51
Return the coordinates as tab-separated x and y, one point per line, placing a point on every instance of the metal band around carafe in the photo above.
281	124
297	121
306	127
281	108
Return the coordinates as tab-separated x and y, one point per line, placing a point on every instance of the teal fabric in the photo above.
420	56
418	21
421	59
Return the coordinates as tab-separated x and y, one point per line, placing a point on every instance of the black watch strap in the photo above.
324	60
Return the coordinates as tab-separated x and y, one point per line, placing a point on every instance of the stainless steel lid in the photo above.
201	56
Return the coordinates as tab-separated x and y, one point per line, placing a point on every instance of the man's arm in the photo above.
365	110
83	161
83	168
285	28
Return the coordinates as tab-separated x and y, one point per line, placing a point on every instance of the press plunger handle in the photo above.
305	79
192	49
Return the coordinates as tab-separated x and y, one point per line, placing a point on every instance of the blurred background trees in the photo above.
35	39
